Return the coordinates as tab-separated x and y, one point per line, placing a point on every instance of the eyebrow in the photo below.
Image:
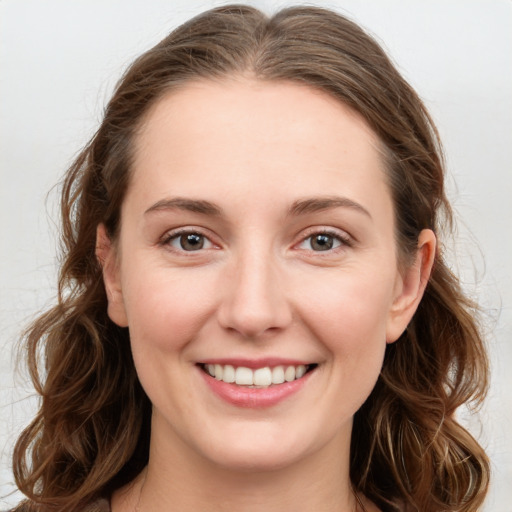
318	204
299	207
191	205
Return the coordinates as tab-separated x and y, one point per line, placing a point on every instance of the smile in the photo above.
258	377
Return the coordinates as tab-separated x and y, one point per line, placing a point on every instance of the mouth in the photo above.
263	377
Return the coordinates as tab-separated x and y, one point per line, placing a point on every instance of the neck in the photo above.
177	478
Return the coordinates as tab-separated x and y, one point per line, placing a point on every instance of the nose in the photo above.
254	302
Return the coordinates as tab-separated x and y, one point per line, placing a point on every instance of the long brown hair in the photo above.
91	434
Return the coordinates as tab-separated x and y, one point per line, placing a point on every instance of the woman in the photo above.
254	311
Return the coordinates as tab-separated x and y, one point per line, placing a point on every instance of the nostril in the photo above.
253	303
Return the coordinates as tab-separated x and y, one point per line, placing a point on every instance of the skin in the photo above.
258	288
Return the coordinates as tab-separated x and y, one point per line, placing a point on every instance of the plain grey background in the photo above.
59	61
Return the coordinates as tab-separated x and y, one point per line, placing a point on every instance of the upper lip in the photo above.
256	363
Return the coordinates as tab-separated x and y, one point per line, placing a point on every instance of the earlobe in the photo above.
412	286
106	255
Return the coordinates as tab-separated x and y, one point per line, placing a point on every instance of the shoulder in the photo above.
102	505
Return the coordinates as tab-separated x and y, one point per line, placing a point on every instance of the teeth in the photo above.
277	375
289	374
300	371
229	374
261	377
244	376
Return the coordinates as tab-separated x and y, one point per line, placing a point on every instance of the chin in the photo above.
260	453
253	461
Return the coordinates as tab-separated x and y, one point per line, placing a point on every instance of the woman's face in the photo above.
256	244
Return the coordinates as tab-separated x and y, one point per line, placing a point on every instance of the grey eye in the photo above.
322	242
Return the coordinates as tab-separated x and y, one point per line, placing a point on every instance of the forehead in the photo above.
214	136
274	110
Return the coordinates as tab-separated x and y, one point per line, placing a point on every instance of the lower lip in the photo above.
244	396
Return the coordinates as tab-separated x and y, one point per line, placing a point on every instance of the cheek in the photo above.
347	315
165	310
349	312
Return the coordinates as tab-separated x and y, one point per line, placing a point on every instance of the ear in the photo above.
411	286
107	257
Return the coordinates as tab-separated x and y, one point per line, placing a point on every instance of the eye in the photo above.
323	241
188	241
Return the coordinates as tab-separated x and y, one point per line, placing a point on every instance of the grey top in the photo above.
98	506
102	505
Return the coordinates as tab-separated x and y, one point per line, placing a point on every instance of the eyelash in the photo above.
176	235
343	240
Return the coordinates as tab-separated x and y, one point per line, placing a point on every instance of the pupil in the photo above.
191	242
322	242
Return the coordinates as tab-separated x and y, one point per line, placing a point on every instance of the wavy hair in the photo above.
91	434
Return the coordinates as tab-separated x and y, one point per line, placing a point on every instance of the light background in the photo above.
59	61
